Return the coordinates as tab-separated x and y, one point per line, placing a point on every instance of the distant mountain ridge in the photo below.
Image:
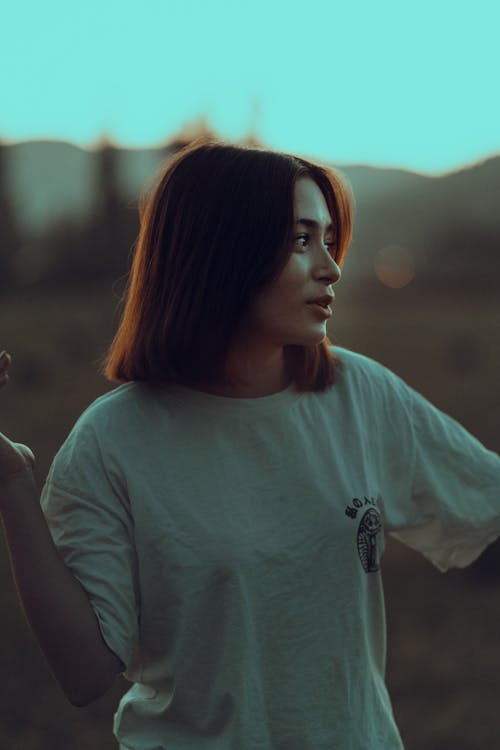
47	181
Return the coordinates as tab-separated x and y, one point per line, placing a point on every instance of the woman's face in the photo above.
281	315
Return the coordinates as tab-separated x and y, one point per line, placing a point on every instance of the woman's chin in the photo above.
311	338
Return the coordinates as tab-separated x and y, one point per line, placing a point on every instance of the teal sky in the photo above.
383	82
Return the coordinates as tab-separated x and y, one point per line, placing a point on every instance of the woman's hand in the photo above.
15	458
55	603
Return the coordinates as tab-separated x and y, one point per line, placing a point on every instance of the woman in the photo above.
217	519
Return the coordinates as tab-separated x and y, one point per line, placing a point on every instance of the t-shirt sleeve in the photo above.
85	504
450	509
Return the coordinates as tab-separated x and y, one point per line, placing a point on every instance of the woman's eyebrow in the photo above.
313	224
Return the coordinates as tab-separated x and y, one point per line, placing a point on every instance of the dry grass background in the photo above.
444	653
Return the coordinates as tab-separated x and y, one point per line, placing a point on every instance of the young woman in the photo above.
213	526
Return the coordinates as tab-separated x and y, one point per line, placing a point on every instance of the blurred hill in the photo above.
70	215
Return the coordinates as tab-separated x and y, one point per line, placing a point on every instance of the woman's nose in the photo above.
334	273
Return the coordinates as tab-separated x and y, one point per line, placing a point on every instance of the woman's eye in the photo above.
304	238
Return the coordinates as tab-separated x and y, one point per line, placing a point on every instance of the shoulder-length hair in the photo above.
213	233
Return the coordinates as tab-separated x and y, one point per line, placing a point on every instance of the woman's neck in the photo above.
255	374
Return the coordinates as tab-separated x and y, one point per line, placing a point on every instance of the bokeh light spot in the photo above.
395	266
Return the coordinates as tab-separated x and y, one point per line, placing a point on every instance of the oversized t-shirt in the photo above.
231	548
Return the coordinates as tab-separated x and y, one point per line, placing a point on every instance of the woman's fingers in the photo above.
5	360
14	457
27	453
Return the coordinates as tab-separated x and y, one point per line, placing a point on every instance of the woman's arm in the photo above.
56	605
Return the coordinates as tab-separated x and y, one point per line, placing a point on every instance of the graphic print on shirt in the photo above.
369	529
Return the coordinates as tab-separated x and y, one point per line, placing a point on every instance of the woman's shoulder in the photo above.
107	422
353	358
355	366
116	408
365	379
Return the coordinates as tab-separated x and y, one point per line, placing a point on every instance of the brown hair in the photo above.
214	233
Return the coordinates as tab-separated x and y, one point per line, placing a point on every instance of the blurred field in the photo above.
444	655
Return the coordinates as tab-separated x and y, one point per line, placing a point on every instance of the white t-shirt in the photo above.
231	548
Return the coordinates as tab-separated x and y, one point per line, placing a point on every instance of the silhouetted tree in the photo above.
97	248
10	233
114	224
